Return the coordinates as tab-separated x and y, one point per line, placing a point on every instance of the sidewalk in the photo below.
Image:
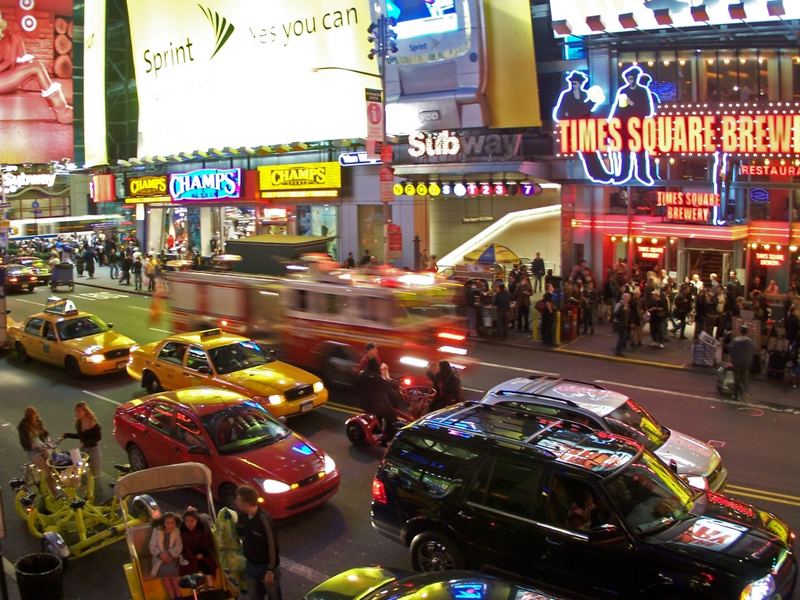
676	355
103	281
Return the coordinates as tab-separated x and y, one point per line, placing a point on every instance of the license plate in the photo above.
306	406
122	364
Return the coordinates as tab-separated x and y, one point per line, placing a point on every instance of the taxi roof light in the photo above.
60	306
210	333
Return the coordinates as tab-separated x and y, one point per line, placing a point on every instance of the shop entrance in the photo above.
704	262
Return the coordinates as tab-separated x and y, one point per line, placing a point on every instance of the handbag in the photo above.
646	316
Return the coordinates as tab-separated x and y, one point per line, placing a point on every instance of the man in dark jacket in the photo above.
537	268
372	392
621	318
502	301
447	385
89	260
741	351
259	546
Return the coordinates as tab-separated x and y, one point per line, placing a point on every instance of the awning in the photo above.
497	170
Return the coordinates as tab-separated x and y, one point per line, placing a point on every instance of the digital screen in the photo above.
468	591
416	18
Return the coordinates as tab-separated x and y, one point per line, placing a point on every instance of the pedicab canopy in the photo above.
159	479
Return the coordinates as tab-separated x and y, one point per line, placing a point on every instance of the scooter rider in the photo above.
370	351
446	383
372	393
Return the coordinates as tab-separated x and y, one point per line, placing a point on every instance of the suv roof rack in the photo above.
557	380
534	395
453	422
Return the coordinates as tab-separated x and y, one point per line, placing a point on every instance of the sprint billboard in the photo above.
218	73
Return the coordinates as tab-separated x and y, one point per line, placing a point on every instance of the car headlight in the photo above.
93	358
330	465
697	481
273	486
275	399
319	387
759	589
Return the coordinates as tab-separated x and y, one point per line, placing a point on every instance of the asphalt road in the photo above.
761	453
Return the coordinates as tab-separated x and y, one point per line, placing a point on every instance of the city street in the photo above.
761	453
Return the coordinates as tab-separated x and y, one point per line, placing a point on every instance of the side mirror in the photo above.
604	533
204	370
110	325
197	449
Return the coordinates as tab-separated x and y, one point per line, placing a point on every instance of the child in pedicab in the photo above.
198	548
166	548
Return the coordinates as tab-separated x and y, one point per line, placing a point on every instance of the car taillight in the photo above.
33	277
379	491
12	280
223	323
407	381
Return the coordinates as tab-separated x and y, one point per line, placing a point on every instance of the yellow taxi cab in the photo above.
64	336
218	359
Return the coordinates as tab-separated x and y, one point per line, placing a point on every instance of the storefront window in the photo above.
319	220
370	231
796	78
38	207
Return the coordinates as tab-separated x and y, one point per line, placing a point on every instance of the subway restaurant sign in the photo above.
689	129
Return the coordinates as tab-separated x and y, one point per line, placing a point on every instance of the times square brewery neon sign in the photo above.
619	147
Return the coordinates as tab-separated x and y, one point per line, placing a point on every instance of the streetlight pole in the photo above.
383	37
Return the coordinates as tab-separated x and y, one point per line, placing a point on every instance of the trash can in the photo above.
39	577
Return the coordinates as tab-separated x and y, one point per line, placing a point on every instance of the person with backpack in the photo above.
137	273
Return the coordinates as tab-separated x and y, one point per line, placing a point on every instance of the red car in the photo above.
236	438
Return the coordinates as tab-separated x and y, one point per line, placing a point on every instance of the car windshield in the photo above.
243	427
71	329
238	356
633	421
648	495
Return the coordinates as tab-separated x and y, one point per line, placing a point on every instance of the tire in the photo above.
151	383
136	458
355	433
72	367
22	353
432	552
227	495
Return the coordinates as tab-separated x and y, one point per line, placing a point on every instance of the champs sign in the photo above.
685	129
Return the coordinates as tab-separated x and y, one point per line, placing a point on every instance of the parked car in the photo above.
39	267
80	342
20	278
376	583
606	410
584	512
233	436
215	358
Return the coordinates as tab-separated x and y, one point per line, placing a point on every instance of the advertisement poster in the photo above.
219	73
94	82
576	11
36	80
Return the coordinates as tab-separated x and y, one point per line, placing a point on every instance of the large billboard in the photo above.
575	13
218	73
94	82
36	80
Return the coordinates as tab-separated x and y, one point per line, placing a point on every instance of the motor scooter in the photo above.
365	429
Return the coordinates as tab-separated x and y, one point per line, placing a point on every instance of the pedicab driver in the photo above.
259	546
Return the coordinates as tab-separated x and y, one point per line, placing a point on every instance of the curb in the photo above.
119	288
594	355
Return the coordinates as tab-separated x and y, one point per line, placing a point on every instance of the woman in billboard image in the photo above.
17	68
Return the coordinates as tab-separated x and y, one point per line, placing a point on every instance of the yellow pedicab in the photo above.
141	584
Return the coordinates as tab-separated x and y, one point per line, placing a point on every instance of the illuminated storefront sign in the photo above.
765	134
770	170
688	206
470	188
448	145
206	184
147	186
651	252
770	259
320	179
13	182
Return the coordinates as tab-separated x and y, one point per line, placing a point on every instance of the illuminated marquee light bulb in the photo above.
613	238
638	240
754	245
792	248
766	246
625	238
653	241
778	247
672	240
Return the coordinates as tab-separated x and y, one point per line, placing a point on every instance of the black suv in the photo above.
581	511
